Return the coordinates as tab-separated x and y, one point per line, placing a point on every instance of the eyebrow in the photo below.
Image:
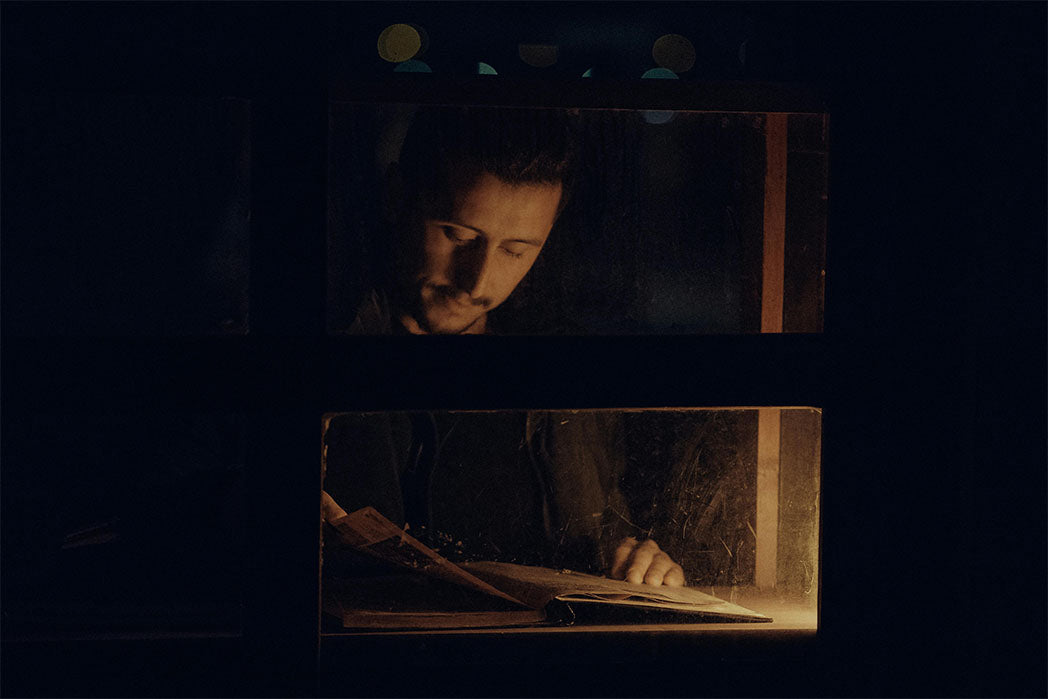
527	241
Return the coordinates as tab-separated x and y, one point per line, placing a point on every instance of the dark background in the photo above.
931	370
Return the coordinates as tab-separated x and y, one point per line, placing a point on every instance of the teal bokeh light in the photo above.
663	73
658	116
413	66
652	116
485	69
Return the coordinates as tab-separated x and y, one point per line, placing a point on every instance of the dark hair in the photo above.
447	148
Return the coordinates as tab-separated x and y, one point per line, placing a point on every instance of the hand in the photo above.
644	561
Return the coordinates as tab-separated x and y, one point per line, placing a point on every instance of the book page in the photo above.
369	531
527	586
539	586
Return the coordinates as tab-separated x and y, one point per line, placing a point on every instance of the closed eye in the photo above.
459	235
512	252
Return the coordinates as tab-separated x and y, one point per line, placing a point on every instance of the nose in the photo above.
474	271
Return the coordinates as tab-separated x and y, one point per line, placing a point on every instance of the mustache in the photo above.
453	293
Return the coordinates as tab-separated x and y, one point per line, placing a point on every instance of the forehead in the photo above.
502	208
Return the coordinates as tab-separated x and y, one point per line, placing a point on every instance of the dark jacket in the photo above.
537	487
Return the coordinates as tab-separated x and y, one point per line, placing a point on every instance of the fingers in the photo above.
663	571
622	557
643	555
646	563
674	576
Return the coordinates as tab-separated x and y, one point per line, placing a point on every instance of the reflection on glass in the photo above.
722	501
659	223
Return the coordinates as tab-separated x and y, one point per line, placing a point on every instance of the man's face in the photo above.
474	258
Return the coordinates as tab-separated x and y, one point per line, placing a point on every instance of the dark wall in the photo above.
934	480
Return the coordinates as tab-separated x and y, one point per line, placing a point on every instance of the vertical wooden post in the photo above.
774	224
769	420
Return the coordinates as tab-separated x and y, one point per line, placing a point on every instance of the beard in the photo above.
442	309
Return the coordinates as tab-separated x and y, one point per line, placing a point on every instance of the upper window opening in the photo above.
639	221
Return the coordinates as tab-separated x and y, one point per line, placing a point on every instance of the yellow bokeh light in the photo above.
398	43
674	52
424	38
538	55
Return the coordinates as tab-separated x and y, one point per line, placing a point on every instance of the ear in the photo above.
394	196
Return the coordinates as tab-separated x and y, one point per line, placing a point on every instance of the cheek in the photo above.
437	253
512	275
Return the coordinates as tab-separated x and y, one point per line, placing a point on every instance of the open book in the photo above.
443	594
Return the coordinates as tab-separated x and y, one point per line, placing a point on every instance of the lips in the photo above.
455	299
445	309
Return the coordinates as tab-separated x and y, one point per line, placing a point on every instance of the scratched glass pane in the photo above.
731	496
662	229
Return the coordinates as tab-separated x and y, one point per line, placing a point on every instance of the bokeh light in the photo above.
674	52
485	69
423	36
413	66
538	55
660	73
588	73
658	116
398	43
